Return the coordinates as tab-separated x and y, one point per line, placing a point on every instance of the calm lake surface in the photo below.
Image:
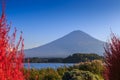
47	65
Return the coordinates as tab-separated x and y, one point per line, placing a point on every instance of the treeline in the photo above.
75	58
91	70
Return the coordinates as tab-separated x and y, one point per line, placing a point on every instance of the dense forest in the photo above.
75	58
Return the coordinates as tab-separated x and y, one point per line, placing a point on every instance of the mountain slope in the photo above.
74	42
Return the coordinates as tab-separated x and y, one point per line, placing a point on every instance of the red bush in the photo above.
11	60
112	59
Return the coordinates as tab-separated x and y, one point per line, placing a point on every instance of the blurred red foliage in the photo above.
112	59
11	53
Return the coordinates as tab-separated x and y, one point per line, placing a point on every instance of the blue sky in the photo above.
43	21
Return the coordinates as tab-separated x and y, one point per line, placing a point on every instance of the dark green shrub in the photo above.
62	70
49	74
79	75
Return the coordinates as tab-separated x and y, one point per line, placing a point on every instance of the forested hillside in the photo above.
75	58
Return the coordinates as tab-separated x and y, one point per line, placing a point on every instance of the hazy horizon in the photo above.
43	21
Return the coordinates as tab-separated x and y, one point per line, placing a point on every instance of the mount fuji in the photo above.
74	42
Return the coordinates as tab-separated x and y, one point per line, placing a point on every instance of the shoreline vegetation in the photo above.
89	70
74	58
86	67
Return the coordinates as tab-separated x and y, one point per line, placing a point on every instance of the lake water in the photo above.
47	65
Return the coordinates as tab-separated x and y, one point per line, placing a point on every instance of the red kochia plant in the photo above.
11	53
112	59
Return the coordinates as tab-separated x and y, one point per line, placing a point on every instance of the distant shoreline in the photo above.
75	58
